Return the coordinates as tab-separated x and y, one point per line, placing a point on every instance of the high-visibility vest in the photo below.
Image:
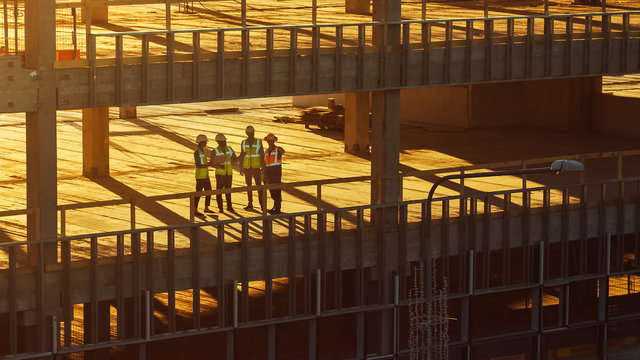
271	158
226	169
202	173
251	154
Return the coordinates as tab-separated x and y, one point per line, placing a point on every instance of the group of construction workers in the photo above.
256	164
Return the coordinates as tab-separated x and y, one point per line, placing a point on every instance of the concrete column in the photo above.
40	54
95	142
98	13
385	159
356	122
128	112
385	145
362	7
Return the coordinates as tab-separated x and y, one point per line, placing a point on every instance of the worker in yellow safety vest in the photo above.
224	158
273	170
202	173
252	162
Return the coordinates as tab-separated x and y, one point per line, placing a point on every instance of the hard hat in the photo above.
250	129
270	136
221	137
200	138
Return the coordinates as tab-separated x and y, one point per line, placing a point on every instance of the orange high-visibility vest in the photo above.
271	158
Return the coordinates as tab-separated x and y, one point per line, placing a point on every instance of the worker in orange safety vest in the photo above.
273	170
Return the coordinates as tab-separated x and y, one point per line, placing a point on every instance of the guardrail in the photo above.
406	41
618	155
319	254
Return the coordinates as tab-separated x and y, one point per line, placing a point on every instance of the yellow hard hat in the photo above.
221	137
250	129
200	138
270	136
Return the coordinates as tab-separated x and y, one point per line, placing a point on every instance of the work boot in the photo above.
230	209
207	210
249	207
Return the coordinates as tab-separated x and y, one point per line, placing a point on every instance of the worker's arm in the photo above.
280	151
240	160
234	157
261	153
234	162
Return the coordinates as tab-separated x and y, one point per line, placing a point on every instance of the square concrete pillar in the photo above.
128	112
356	122
362	7
98	13
95	142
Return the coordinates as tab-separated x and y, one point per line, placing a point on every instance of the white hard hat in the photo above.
200	138
221	137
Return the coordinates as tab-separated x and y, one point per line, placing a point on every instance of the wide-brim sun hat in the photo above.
271	136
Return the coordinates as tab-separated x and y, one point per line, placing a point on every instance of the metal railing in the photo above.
319	184
404	41
211	273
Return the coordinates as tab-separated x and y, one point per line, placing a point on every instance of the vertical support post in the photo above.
132	212
245	42
243	13
5	22
167	14
95	142
293	53
40	54
268	72
195	69
118	83
356	122
170	66
220	65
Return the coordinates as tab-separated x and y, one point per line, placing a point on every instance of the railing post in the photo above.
91	58
54	334
263	199
132	210
235	304
63	222
192	210
524	176
319	197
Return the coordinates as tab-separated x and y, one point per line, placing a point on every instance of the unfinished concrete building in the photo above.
536	266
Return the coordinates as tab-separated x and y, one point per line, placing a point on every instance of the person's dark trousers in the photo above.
203	184
255	175
223	182
274	176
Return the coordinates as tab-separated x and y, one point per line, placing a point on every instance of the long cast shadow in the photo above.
153	208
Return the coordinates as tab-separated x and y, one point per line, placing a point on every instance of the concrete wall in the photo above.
616	116
442	106
563	104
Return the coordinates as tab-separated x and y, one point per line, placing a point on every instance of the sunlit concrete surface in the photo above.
153	155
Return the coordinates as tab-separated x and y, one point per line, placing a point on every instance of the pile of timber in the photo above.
330	117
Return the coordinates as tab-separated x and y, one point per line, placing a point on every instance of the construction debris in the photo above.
330	117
